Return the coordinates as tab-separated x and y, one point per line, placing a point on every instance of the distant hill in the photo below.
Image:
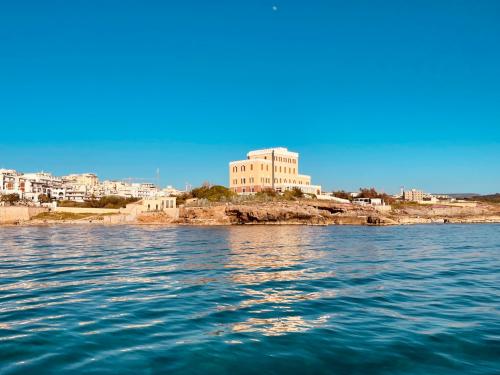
492	198
459	195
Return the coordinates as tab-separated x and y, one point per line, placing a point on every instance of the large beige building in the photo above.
271	168
413	195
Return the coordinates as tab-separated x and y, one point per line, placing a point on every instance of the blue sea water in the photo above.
250	299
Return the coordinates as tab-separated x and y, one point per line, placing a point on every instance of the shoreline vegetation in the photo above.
217	205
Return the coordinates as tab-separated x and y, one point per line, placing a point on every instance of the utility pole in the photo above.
272	168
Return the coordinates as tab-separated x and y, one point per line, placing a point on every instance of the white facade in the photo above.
75	187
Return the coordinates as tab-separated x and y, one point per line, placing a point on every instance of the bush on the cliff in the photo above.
266	193
214	193
293	194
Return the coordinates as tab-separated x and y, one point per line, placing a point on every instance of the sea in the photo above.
269	299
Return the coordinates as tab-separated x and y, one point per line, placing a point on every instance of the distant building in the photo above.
74	187
272	168
368	201
413	195
88	179
171	191
165	205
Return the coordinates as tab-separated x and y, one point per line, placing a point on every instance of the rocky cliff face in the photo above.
305	212
313	212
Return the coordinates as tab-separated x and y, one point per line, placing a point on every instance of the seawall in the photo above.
16	214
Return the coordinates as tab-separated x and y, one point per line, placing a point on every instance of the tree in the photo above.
44	198
10	198
372	193
368	193
341	194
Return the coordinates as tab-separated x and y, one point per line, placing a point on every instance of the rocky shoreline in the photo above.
303	212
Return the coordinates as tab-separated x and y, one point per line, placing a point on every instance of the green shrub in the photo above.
293	194
110	201
214	193
266	193
10	198
44	198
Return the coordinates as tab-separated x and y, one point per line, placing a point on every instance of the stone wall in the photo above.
14	214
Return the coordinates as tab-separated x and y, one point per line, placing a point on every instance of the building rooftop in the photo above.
277	150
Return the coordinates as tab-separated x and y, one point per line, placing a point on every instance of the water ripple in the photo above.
277	299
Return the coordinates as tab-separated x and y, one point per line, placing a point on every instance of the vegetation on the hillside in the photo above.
219	193
10	198
295	193
216	193
62	216
342	194
44	198
492	198
111	201
267	193
373	193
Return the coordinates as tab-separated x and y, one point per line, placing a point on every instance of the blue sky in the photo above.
371	93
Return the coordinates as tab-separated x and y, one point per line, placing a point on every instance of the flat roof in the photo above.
277	150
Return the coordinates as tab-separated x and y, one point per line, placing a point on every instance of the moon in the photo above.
275	8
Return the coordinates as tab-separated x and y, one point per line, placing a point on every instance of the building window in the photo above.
242	180
293	170
251	167
262	167
243	168
267	167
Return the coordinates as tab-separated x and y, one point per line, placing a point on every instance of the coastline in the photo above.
303	212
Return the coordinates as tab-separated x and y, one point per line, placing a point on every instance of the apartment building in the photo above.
413	195
74	187
272	168
87	179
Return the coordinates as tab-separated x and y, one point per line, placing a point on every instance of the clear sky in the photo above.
371	93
